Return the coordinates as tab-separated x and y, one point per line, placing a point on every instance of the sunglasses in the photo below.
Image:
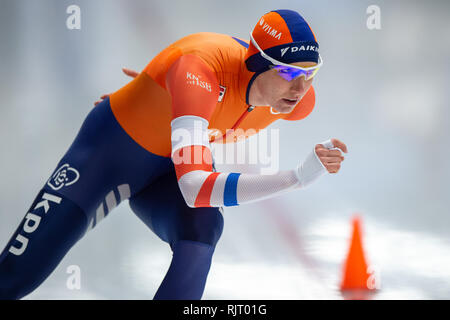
287	71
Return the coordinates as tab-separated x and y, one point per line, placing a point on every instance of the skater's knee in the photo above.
203	225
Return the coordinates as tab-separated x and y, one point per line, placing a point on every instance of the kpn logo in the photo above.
196	80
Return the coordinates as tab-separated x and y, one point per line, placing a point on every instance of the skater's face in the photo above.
271	89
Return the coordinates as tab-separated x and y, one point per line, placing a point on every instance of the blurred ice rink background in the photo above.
383	92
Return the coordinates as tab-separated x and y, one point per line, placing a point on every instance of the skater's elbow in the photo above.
190	185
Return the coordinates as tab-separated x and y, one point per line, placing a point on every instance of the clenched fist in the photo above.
331	158
324	158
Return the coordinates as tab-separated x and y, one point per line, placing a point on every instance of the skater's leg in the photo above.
102	167
188	271
191	232
49	229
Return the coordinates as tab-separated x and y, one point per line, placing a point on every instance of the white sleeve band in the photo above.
188	131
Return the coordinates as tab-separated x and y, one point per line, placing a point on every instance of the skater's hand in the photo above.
102	97
128	72
331	158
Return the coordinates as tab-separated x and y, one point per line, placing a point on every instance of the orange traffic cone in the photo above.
355	269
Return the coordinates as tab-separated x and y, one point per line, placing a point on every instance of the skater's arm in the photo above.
194	90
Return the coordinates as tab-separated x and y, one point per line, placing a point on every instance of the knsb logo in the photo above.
195	80
64	176
32	222
301	48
